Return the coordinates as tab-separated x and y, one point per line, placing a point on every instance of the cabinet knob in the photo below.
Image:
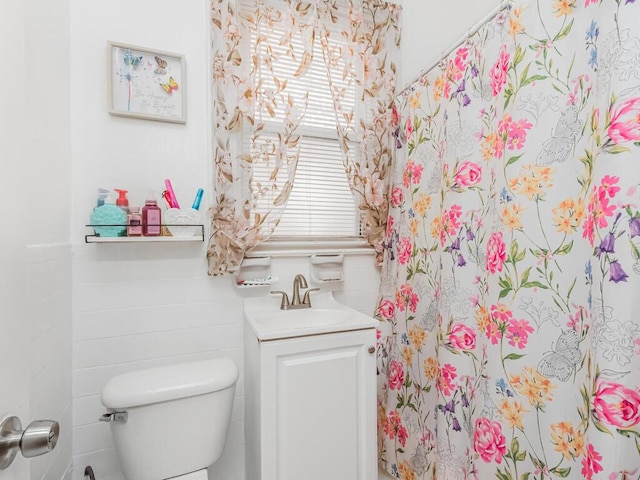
371	349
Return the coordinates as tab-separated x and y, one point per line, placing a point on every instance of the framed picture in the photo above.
145	83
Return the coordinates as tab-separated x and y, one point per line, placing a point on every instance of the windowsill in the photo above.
305	247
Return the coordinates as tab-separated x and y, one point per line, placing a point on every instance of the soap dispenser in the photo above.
109	220
122	201
151	217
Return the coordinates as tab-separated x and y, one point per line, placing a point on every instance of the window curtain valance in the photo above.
360	42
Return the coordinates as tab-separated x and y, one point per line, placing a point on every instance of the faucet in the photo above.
298	282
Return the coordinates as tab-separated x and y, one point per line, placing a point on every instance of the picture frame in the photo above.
146	83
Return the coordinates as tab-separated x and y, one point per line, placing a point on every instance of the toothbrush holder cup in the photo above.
182	222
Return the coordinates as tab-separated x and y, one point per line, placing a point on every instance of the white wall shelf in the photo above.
198	236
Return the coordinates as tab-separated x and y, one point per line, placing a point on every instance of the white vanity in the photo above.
310	391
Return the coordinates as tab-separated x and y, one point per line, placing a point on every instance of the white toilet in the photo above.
171	421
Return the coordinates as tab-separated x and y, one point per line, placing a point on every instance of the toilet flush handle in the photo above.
120	417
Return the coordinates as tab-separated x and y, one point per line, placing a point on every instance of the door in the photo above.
322	420
14	366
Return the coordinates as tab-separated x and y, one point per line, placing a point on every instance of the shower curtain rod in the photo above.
504	5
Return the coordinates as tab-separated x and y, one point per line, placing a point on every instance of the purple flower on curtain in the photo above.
455	424
634	226
607	245
616	273
455	245
449	407
470	235
461	261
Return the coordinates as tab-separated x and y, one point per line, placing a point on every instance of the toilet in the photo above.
171	422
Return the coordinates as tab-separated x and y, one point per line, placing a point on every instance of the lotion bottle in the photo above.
151	217
134	222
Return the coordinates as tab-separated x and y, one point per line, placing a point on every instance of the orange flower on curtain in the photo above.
249	92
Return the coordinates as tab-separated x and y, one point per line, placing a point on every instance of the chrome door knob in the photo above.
38	438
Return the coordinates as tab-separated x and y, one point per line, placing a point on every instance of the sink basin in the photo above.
327	315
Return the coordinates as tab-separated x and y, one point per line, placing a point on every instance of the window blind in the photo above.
321	203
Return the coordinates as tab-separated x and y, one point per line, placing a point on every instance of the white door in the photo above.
322	409
14	215
14	360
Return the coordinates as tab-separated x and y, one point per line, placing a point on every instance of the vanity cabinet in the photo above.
310	406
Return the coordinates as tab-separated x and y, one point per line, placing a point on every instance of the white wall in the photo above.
430	27
143	305
35	256
135	305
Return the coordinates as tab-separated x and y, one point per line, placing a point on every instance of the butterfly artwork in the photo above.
562	360
170	87
131	60
161	67
563	139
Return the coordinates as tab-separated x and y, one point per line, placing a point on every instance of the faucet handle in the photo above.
307	298
285	299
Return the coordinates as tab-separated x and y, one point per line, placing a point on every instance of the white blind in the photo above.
321	203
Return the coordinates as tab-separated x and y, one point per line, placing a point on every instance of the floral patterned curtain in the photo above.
510	345
246	85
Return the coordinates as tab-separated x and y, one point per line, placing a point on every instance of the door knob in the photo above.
38	438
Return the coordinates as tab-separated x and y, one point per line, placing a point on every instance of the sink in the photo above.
327	315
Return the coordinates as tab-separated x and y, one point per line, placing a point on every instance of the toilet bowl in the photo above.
171	421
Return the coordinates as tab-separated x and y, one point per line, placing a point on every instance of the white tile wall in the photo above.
49	316
137	306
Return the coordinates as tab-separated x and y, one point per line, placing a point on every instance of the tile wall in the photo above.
137	306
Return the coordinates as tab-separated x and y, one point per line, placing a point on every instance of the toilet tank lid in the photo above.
171	382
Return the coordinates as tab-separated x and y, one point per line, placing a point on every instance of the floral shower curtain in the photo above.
510	297
251	90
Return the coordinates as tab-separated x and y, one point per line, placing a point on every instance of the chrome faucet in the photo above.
298	282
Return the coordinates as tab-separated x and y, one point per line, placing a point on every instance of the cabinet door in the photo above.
319	407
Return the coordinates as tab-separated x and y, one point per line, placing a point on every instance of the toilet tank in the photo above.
178	417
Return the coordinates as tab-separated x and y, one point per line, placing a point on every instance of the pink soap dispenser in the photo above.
151	217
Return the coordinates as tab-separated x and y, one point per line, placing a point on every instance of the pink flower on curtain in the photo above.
590	2
617	405
393	426
518	332
408	128
496	253
590	463
462	337
625	121
397	197
396	375
468	174
446	375
488	440
498	74
386	309
514	133
412	174
404	250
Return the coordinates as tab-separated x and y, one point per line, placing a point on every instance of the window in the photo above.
320	204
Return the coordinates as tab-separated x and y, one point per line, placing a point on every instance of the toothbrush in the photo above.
197	200
171	196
